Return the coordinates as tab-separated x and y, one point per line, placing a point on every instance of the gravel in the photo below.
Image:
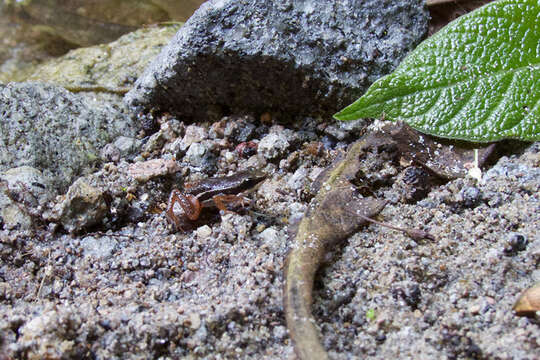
133	288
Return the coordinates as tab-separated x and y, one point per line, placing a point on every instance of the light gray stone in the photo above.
57	132
84	206
273	145
99	248
28	193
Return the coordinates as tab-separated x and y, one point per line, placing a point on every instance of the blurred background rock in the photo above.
35	30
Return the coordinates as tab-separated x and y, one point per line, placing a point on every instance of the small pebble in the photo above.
515	242
204	231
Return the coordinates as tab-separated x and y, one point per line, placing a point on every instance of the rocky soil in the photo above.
130	287
91	268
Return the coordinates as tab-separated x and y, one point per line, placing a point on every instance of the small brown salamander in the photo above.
213	192
332	216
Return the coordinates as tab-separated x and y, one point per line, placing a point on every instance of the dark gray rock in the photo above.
286	57
57	132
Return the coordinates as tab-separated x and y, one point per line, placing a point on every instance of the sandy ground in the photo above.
139	290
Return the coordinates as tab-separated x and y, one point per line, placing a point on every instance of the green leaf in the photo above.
477	79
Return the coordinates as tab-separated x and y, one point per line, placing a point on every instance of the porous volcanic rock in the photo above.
284	57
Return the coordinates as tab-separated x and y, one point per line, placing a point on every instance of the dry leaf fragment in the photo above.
529	301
